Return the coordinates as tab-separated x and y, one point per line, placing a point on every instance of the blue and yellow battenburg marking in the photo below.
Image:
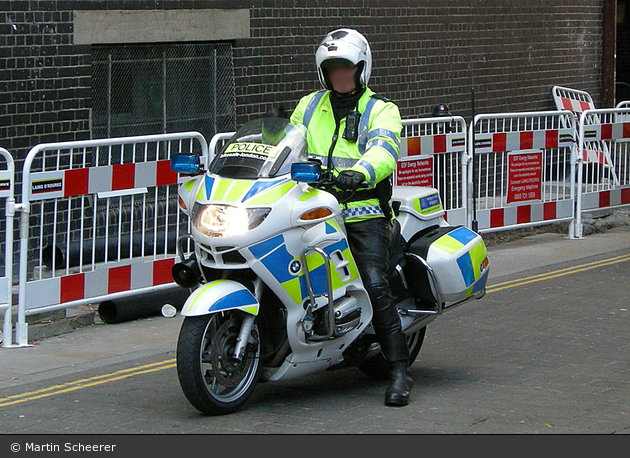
289	272
259	192
473	263
241	299
238	299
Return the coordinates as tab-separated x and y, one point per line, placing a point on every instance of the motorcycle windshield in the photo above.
262	148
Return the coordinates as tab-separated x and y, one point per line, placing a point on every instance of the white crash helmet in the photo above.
344	44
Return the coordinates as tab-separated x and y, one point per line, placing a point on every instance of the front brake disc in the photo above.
228	370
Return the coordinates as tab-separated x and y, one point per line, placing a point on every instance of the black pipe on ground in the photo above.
130	242
130	246
143	305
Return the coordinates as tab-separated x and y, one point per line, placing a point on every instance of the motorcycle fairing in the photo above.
233	191
288	271
218	296
229	190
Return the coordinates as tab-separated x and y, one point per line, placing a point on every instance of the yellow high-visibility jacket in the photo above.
374	154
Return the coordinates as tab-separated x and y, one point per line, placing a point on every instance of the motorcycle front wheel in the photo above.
377	366
212	380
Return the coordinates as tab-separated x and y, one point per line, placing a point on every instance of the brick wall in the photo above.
44	79
512	53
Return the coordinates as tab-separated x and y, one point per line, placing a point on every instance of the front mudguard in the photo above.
219	296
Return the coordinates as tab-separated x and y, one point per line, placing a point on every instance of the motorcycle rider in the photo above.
356	135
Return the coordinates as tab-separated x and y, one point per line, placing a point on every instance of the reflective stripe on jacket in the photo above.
375	152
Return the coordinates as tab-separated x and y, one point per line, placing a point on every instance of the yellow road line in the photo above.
167	364
557	273
86	383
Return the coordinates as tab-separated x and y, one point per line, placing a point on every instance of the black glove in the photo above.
349	180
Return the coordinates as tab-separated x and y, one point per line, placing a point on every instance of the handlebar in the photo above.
328	183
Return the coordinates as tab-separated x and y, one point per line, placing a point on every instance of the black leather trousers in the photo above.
370	242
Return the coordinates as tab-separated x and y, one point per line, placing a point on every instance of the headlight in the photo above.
226	220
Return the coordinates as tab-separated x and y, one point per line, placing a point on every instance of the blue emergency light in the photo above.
186	164
305	172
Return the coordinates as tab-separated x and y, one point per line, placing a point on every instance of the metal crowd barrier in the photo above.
7	207
523	169
433	152
602	143
99	220
573	100
603	179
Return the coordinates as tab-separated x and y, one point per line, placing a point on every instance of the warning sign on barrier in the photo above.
524	176
414	172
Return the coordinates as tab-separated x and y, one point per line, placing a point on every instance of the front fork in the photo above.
247	325
243	337
248	320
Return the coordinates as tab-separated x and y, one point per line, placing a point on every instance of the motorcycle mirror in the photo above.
186	164
305	172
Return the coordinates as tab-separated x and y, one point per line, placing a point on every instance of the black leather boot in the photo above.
400	383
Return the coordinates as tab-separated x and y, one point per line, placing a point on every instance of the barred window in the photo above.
152	89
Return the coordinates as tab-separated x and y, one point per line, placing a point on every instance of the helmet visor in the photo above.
338	62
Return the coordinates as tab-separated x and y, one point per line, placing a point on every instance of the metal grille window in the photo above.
150	89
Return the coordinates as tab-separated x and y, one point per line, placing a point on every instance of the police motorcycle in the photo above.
275	291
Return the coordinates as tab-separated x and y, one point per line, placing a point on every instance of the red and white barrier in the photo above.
433	152
573	100
603	183
522	169
99	217
99	220
108	281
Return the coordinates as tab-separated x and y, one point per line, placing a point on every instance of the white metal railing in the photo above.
433	152
7	205
523	169
573	100
99	219
603	178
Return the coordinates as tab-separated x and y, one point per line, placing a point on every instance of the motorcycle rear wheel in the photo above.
377	367
212	380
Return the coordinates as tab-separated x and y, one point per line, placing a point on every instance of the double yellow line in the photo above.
557	273
154	367
86	383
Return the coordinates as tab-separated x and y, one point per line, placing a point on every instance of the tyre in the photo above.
377	366
212	380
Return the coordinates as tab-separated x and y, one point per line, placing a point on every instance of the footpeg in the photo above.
414	312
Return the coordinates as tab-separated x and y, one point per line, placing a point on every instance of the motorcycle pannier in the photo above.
458	257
